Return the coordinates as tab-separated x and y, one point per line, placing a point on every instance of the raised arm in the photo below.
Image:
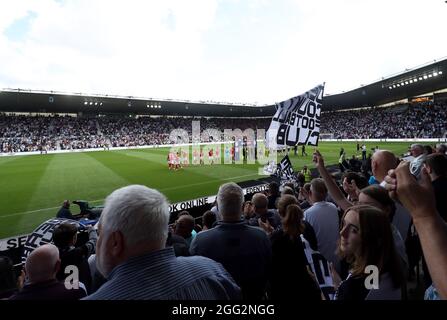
332	187
418	197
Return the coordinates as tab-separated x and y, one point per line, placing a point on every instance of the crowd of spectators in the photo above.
424	120
299	241
45	133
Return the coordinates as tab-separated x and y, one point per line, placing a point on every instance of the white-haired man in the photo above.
243	250
131	254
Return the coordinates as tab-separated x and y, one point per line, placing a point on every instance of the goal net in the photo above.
326	136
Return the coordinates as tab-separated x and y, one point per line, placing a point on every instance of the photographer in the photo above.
65	238
65	213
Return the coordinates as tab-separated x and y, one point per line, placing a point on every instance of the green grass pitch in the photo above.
32	188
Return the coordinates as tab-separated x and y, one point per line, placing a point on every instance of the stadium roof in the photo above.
410	83
18	100
421	80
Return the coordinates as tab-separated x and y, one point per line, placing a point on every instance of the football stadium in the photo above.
35	186
319	196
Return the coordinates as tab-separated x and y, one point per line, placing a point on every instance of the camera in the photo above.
85	209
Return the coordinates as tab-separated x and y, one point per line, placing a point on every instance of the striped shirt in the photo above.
160	275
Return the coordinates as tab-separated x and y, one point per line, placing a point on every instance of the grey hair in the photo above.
140	213
230	199
417	145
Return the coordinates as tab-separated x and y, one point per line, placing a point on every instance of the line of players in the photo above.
180	159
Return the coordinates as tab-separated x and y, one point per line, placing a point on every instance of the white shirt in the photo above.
323	217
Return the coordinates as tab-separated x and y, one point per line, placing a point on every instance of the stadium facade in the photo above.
429	79
425	82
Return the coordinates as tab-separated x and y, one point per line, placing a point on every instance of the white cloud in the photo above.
14	11
225	50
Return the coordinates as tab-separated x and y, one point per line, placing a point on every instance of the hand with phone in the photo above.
317	159
265	225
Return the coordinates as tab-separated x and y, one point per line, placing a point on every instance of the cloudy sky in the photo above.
251	51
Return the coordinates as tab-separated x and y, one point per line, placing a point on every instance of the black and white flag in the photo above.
285	169
297	121
320	268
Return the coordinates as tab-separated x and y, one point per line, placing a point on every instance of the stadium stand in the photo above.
37	133
427	119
